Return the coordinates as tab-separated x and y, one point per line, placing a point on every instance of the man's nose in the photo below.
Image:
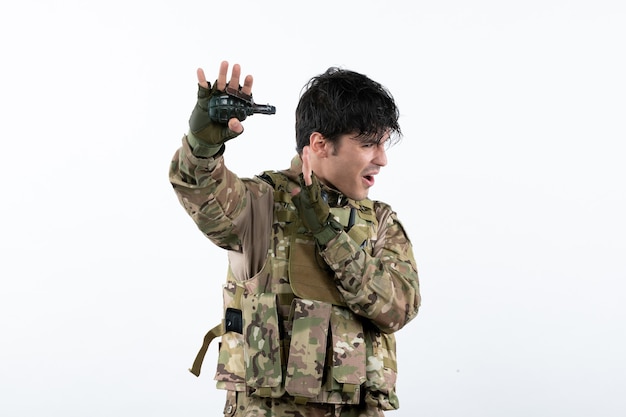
380	158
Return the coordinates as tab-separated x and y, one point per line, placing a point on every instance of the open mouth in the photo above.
369	180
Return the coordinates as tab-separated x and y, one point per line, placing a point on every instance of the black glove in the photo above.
315	212
206	136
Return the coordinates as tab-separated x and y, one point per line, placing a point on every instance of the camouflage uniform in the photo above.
317	334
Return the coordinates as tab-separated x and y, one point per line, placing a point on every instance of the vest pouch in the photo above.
262	351
231	370
382	371
347	368
346	358
307	351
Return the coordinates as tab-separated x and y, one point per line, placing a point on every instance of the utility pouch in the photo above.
262	349
307	351
230	372
349	355
382	370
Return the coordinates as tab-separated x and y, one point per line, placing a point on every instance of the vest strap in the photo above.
208	338
285	299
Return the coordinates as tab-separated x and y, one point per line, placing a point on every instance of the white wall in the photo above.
509	180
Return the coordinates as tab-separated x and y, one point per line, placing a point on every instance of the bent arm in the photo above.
212	195
381	285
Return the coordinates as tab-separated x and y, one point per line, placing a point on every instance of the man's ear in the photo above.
319	145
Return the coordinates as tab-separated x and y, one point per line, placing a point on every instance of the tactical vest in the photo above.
286	331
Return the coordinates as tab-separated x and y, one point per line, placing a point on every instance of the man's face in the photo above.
352	164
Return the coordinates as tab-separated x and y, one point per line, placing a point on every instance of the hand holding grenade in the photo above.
234	103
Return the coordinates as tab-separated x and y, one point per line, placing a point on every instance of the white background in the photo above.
509	180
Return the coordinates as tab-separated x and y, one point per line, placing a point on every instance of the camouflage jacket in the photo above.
373	291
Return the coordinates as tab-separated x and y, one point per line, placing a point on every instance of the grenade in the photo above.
234	103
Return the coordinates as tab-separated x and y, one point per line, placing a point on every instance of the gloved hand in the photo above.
206	136
315	212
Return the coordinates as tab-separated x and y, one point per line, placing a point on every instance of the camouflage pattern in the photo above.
307	350
371	265
365	286
349	353
262	350
231	369
239	404
382	369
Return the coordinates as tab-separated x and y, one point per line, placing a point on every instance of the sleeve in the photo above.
214	197
381	285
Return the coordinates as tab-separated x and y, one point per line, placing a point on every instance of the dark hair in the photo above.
340	102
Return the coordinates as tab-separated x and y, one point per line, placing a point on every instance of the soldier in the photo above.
320	277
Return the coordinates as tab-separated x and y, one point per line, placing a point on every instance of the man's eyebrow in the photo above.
370	139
